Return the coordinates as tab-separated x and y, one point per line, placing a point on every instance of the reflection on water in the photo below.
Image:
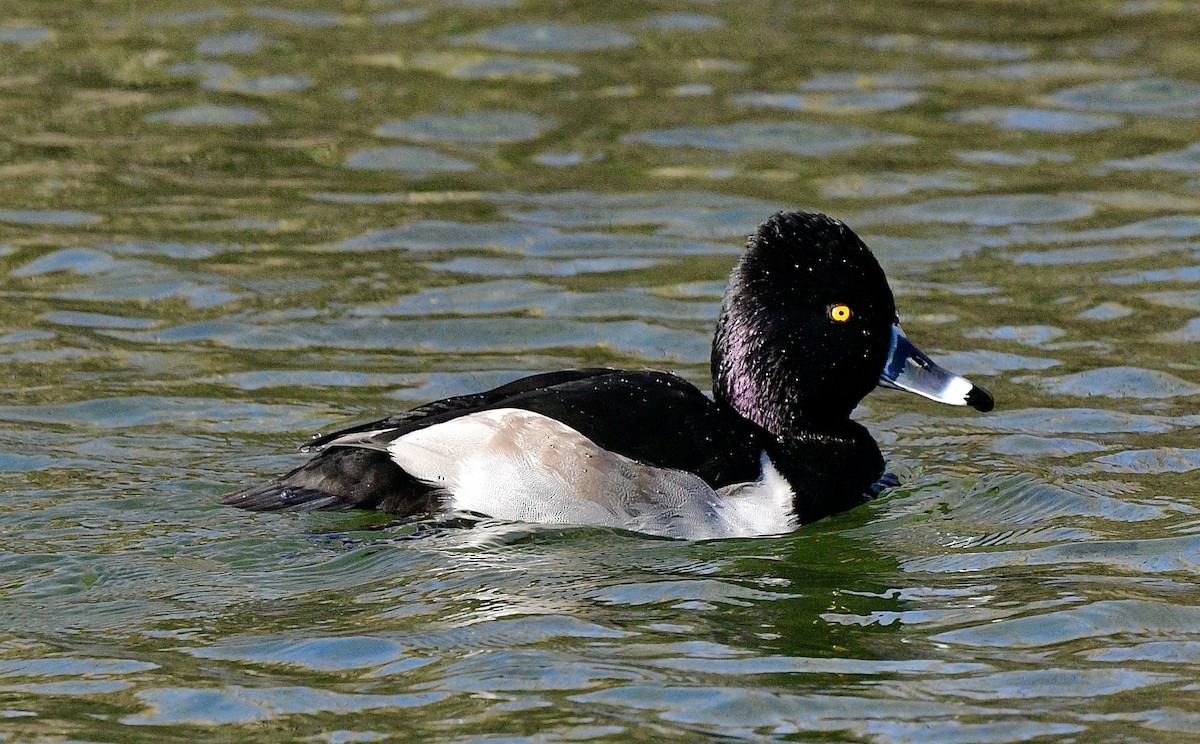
793	137
472	127
226	228
540	36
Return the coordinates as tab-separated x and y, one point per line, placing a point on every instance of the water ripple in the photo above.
232	42
441	336
1150	555
416	161
840	103
1116	382
65	218
793	137
493	67
681	22
1093	621
309	18
323	654
1159	96
1166	460
437	235
211	414
1186	160
209	114
24	35
996	209
213	707
550	37
739	712
1037	120
473	127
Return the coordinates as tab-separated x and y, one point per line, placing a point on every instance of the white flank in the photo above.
508	464
765	507
522	466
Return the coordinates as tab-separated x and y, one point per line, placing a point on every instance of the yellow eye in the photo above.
839	313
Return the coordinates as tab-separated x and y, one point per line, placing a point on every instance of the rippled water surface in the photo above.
225	227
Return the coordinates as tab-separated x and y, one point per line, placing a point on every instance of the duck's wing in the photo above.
650	417
356	477
440	410
654	418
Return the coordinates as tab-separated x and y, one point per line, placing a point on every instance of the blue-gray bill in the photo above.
907	368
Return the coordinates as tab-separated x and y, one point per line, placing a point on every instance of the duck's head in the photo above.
808	327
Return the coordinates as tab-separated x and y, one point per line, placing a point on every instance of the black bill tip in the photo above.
980	399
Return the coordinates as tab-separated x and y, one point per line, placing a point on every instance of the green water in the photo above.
226	227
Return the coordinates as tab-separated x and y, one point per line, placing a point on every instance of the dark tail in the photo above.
339	478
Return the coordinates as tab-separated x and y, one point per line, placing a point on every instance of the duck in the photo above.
807	328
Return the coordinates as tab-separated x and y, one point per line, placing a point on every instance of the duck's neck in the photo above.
831	462
830	471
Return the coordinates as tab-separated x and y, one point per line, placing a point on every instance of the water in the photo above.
224	228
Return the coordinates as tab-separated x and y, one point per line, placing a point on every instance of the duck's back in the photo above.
650	417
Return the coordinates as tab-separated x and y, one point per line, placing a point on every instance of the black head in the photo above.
805	326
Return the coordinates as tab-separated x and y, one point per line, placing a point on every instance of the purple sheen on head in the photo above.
778	359
741	394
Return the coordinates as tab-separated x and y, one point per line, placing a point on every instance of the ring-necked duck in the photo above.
807	328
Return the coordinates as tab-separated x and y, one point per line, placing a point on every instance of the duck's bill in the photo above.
907	368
